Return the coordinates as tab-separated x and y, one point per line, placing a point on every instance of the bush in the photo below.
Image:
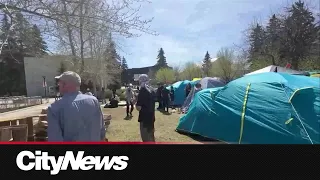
108	94
121	94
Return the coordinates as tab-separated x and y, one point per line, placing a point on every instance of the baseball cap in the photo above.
70	76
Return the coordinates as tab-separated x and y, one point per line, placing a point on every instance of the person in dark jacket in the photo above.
159	95
146	107
172	97
165	98
188	89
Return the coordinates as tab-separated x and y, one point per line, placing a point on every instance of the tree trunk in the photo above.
81	36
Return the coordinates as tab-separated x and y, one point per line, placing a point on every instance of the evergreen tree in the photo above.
113	62
124	64
206	64
39	46
23	34
62	68
257	40
162	60
299	33
124	73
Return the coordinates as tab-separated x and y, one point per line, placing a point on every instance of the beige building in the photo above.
48	67
36	69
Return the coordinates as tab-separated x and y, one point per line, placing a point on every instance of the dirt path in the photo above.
20	113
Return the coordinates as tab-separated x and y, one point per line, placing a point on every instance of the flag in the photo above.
288	65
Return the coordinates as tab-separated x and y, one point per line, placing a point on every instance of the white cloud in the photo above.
189	28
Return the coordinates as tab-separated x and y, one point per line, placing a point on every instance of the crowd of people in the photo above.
77	116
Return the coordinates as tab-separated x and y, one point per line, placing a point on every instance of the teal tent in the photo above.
179	91
265	108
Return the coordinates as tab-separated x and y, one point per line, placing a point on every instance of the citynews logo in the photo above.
41	161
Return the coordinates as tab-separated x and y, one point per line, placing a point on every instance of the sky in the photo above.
189	28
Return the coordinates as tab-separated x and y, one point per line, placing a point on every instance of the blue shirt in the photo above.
76	117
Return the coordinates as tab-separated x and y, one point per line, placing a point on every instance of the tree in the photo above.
273	40
62	68
190	71
23	34
227	66
298	34
39	46
165	75
257	41
206	64
124	64
162	60
124	73
113	63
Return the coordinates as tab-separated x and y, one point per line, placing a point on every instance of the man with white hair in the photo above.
75	117
129	100
146	107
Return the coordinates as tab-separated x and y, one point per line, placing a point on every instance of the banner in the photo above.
144	161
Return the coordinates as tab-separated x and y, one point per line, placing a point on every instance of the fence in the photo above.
17	102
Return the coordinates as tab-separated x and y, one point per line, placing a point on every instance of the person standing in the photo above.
159	96
129	100
146	107
76	116
188	89
103	96
172	97
165	98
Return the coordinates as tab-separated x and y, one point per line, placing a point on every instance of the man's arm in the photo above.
54	129
140	102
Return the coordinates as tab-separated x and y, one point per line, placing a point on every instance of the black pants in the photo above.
166	104
129	104
160	103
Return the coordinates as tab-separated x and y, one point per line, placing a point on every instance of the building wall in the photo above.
35	68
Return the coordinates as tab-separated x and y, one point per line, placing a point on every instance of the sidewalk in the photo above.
24	112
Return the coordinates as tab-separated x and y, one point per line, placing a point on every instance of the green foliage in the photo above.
206	64
124	72
162	60
62	68
226	66
293	39
124	64
108	93
191	71
165	75
121	94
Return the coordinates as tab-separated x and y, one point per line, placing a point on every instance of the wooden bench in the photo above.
14	133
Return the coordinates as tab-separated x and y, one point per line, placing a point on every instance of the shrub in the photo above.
108	94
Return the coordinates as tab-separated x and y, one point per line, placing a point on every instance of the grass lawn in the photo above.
128	130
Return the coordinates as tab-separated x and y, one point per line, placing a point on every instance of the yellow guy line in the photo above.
244	112
294	93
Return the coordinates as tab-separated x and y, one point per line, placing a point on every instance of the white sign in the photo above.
41	160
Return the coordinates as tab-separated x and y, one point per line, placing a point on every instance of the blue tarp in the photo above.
280	109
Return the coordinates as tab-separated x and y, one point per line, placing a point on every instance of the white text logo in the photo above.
42	161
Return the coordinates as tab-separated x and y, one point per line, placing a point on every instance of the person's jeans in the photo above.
129	104
147	134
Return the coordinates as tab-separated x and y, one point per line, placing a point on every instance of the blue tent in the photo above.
179	91
266	108
207	82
